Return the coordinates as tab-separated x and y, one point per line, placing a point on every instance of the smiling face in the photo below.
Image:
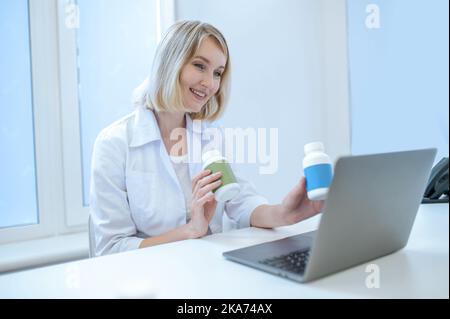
200	77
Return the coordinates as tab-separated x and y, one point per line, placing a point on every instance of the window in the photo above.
112	60
105	56
17	158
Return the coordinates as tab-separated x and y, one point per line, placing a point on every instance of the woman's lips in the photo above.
198	94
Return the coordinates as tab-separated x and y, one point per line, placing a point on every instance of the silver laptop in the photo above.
370	210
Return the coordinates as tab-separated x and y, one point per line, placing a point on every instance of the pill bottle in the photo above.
317	170
215	162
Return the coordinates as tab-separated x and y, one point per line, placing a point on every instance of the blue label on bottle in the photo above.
318	176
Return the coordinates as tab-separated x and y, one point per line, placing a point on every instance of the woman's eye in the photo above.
199	66
218	74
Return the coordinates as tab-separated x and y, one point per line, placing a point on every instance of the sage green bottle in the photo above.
215	162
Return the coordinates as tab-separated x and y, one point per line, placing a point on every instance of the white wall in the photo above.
399	76
289	71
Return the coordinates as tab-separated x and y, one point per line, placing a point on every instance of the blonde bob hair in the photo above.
161	91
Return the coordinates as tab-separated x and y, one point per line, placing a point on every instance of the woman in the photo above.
141	188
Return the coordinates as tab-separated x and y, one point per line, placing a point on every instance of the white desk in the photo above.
196	269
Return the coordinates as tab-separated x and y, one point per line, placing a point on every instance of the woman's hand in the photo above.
203	204
296	206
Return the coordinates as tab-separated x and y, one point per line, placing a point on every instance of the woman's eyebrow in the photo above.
206	60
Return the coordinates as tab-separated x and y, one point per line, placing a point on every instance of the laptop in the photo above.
369	212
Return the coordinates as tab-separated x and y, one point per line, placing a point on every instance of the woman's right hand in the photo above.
203	204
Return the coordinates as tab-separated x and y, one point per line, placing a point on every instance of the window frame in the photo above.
56	121
45	106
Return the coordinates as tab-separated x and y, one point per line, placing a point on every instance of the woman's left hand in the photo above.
297	207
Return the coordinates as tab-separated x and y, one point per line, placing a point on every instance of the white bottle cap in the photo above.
211	157
314	147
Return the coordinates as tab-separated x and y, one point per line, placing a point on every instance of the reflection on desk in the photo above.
196	269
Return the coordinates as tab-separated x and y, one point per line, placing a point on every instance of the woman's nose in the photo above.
208	81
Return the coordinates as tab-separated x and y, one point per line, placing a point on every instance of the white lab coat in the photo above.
134	191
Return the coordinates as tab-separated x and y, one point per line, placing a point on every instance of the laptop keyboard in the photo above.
293	262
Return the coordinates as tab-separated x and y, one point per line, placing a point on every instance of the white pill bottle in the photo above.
317	169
